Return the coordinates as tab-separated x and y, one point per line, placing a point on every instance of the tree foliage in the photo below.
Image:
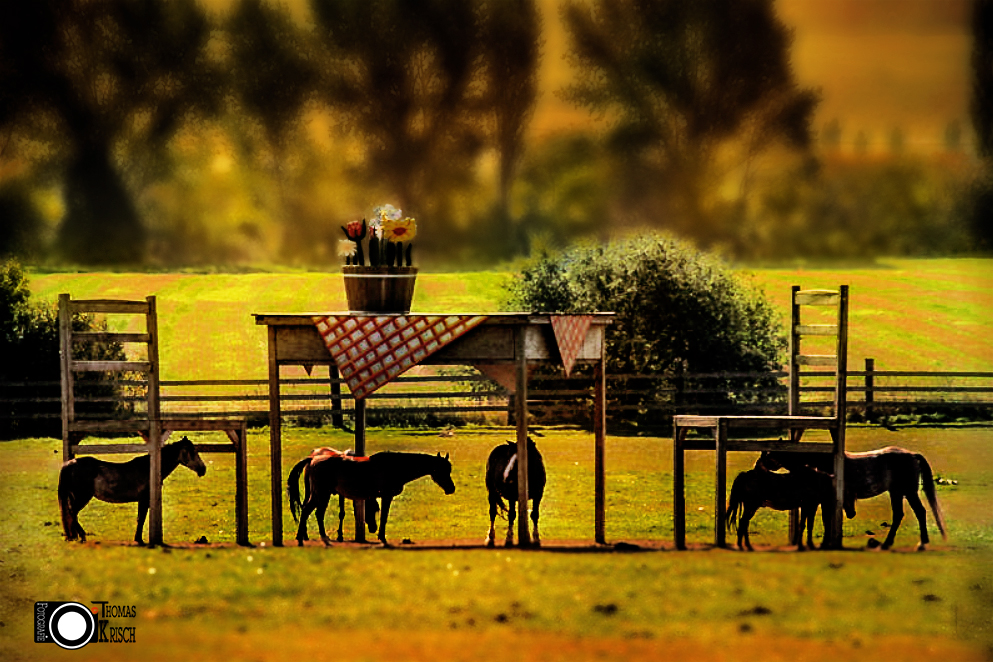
682	83
676	309
89	79
29	343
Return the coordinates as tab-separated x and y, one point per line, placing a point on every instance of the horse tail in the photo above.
65	498
927	477
293	488
735	504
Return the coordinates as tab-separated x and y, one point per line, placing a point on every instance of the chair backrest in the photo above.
819	348
75	359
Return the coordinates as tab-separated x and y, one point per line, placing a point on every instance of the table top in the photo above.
288	319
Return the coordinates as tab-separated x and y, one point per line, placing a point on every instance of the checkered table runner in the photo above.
372	350
570	334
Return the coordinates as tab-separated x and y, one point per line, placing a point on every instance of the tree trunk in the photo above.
101	225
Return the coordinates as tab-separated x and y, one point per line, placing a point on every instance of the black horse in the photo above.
895	470
501	483
379	476
293	492
83	478
805	488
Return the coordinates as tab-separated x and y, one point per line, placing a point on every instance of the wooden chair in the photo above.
802	365
147	422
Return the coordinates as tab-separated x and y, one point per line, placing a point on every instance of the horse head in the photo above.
189	458
767	462
442	474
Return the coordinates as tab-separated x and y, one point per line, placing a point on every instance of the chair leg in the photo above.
678	488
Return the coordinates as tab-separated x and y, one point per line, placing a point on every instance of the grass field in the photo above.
907	314
447	598
444	597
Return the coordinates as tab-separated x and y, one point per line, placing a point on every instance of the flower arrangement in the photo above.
390	231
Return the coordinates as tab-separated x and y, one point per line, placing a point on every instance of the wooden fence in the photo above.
440	399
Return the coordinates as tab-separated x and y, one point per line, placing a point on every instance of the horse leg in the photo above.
142	514
896	500
384	513
322	508
914	499
305	510
747	513
75	528
341	518
491	536
535	505
511	519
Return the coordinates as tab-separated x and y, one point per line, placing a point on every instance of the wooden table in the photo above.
503	339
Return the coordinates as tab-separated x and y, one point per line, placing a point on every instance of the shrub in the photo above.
676	310
30	372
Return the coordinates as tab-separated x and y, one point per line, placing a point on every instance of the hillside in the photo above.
907	314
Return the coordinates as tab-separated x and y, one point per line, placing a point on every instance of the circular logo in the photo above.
72	625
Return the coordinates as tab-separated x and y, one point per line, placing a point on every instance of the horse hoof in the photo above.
922	547
299	542
489	542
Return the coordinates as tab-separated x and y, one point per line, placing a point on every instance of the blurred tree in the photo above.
953	136
399	77
510	41
680	81
831	135
276	78
417	83
981	108
89	78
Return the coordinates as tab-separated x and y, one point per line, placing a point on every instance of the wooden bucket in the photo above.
379	289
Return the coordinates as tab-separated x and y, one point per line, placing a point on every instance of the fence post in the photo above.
870	367
337	419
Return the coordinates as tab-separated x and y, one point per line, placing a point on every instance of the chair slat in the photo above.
817	298
108	306
816	329
111	337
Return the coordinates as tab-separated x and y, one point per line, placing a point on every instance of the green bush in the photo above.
30	372
677	310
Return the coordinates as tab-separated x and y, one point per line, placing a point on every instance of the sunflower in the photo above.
400	230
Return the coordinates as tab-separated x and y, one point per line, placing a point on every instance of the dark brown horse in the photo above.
895	470
501	483
806	489
293	492
380	476
83	478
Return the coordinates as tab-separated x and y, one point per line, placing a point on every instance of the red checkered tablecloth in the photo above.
570	334
370	351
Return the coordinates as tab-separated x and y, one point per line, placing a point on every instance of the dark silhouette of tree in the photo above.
89	79
981	105
426	85
679	81
399	77
981	108
275	73
511	42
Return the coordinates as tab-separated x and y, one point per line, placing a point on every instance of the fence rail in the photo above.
871	393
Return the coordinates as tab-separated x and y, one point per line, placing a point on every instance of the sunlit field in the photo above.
445	596
906	314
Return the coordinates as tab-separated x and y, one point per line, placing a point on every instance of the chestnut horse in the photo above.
83	478
293	492
379	476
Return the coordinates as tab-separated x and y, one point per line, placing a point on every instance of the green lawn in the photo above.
907	314
569	601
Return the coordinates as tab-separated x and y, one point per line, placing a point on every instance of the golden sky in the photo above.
879	65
